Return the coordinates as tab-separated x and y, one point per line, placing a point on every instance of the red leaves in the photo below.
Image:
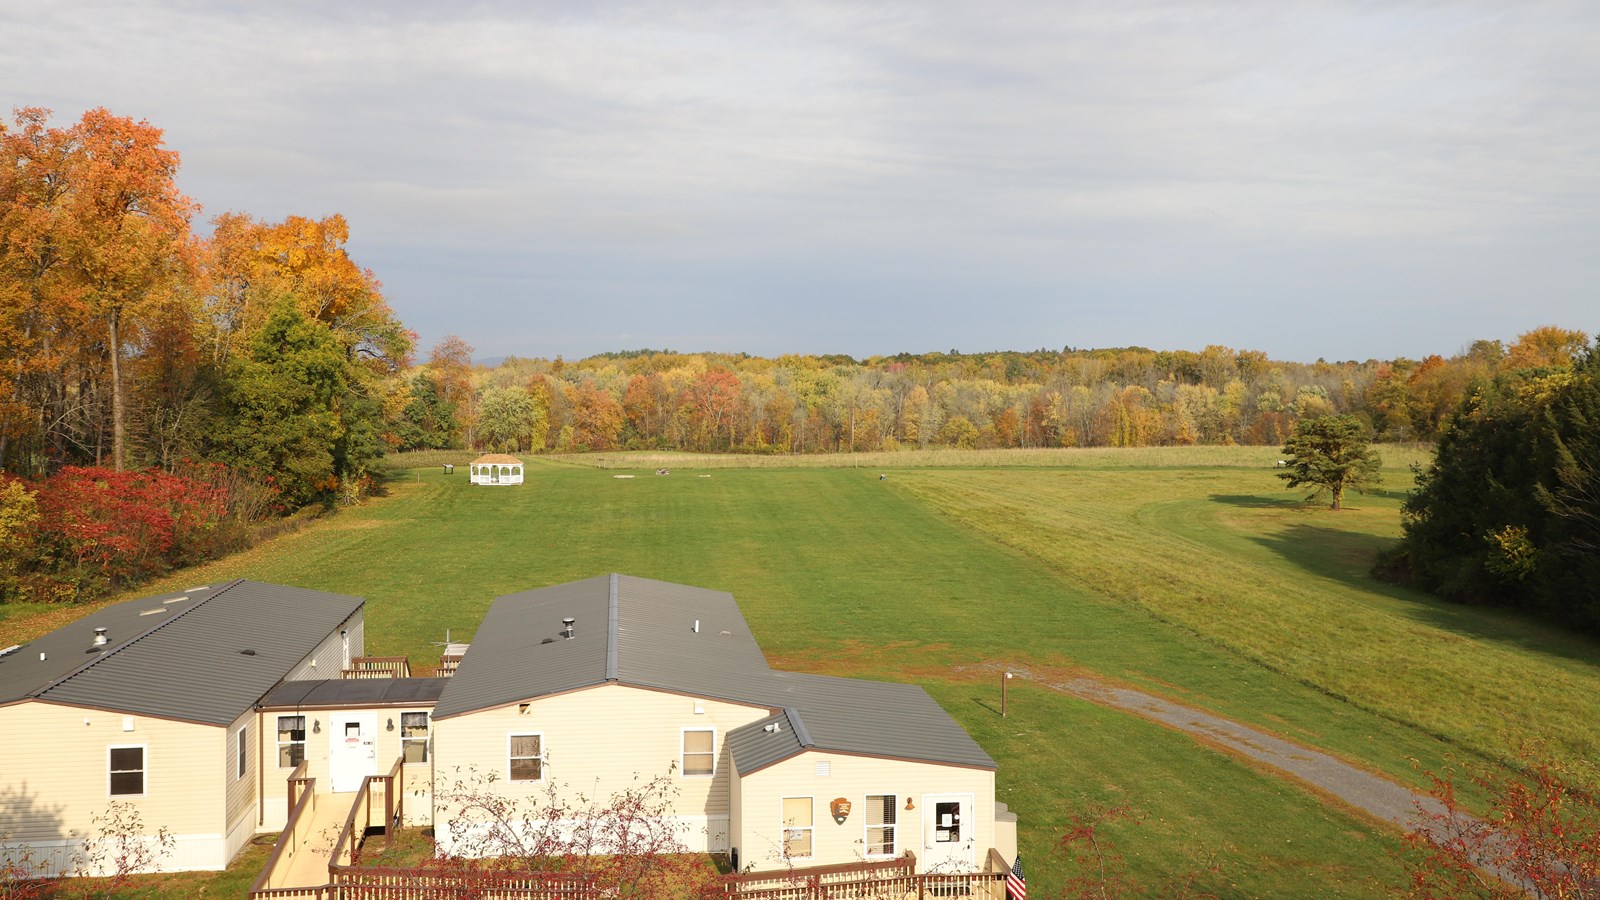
1541	839
100	528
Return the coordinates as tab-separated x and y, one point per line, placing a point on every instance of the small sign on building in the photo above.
840	808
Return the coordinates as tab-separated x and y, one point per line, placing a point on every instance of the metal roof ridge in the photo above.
106	654
801	733
611	631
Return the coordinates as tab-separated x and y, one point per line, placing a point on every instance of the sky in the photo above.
1339	180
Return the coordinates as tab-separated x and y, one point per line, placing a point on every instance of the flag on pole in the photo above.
1016	882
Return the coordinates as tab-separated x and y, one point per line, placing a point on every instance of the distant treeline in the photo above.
1125	397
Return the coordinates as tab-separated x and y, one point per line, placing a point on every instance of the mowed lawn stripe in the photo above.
1243	571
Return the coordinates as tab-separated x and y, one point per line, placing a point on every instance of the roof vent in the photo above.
772	728
247	653
568	629
696	626
548	641
100	638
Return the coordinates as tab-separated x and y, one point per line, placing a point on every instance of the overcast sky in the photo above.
1338	180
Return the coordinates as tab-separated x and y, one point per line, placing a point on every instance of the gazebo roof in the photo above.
493	458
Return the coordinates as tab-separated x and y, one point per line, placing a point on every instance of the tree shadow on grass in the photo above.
1256	501
1347	556
1352	501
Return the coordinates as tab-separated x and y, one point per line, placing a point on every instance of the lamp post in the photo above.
1004	681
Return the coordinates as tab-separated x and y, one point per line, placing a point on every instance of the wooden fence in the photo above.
378	667
890	880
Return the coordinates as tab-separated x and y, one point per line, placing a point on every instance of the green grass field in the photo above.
1189	572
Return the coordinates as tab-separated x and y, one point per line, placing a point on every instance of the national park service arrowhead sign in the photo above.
840	808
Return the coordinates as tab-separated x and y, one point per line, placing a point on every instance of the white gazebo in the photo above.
497	468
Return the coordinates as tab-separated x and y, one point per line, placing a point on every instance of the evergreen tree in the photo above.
1509	511
1330	453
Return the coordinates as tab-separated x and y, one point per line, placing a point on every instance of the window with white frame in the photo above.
880	824
126	769
525	757
699	752
241	746
414	736
291	741
797	827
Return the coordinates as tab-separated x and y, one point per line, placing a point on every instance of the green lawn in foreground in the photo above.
934	572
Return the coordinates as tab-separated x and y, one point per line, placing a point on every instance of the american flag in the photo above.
1016	882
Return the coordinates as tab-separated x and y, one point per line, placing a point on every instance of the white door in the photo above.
353	750
949	838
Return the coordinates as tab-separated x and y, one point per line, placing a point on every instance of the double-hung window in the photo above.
880	824
126	770
414	736
525	757
797	827
699	752
291	741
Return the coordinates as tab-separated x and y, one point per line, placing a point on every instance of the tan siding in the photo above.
241	792
605	736
53	783
760	839
327	660
418	777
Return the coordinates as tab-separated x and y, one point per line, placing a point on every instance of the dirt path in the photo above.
1365	791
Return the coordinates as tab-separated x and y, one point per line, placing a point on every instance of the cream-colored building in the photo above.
150	704
590	684
194	709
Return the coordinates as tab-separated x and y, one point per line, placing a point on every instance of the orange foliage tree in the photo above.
93	230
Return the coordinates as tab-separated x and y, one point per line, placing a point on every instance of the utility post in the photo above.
1004	681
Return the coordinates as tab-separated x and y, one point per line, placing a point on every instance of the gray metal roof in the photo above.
851	715
354	692
633	630
641	632
180	655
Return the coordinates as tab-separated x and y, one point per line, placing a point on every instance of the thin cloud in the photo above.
870	178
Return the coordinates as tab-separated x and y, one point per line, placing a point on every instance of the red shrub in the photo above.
98	528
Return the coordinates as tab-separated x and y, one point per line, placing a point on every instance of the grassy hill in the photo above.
1186	572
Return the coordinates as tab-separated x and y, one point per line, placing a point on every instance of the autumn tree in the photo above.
597	418
645	408
450	367
125	232
253	265
92	229
1331	455
711	400
36	290
1545	347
